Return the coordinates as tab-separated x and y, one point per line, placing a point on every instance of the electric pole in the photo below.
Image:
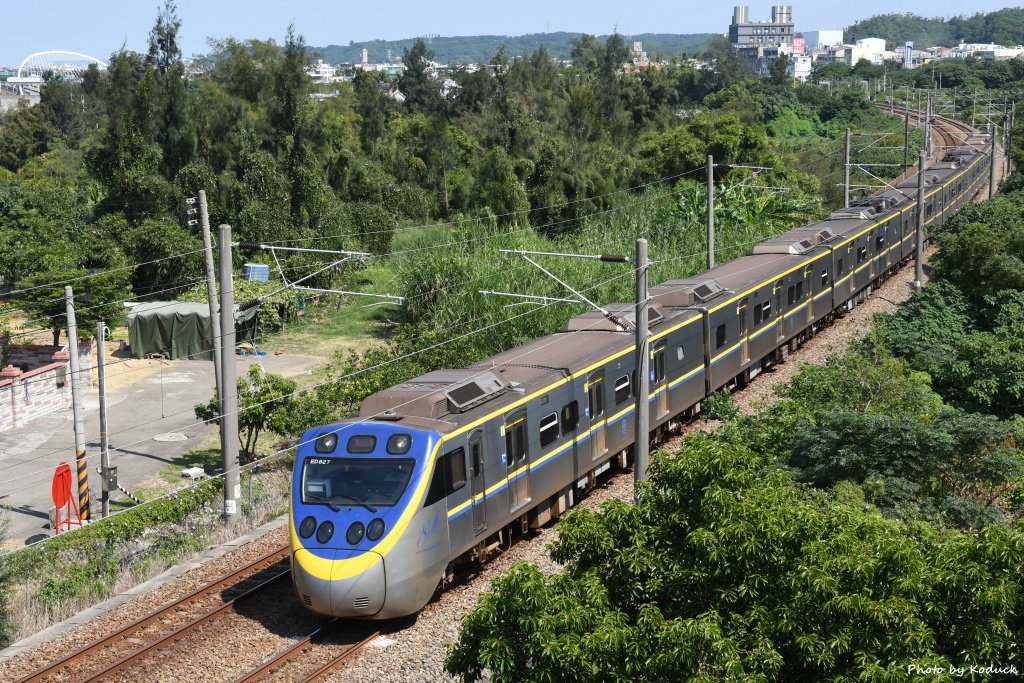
846	167
81	461
642	431
919	244
906	139
992	166
108	475
211	297
229	388
711	212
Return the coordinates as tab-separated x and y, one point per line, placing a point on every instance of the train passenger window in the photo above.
879	242
456	467
570	417
595	399
766	309
862	254
720	336
548	429
658	363
361	443
757	316
680	354
791	295
824	277
800	290
621	390
927	212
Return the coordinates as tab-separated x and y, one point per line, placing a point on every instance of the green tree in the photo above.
727	571
422	92
264	405
24	133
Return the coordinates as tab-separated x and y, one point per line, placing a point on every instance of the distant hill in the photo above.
471	49
1003	27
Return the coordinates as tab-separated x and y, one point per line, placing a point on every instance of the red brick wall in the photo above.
44	388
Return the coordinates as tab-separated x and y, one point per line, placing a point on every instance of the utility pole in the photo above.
711	212
906	139
992	166
211	297
928	125
919	244
108	475
81	461
229	388
643	428
846	167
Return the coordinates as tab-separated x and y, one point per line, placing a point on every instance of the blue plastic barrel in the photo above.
259	272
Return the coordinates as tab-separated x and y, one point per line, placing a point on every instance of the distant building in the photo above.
800	68
820	40
761	42
746	33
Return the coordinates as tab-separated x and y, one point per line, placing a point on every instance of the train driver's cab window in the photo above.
548	429
570	417
449	476
621	390
720	336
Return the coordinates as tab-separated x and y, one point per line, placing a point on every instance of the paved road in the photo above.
159	405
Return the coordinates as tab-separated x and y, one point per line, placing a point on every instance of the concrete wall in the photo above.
38	382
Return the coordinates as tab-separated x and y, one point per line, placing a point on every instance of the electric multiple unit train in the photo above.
438	470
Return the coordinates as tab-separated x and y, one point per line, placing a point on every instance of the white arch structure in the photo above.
64	62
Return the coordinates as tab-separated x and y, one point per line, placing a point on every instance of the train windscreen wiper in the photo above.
356	501
325	502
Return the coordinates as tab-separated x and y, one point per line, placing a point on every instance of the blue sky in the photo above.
99	27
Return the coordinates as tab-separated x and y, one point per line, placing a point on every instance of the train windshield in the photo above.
370	482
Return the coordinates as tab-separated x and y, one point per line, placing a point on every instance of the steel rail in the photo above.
295	650
184	631
256	565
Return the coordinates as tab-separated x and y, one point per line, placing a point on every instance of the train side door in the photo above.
517	461
780	326
476	481
595	404
744	330
659	376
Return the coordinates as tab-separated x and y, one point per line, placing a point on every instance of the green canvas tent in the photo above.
180	330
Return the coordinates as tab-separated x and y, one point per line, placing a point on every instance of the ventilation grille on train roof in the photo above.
706	290
482	387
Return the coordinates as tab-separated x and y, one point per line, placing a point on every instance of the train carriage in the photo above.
438	469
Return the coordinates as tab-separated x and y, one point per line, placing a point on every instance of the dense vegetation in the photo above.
867	524
480	49
1002	27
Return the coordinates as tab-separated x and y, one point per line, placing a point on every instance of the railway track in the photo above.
315	655
171	622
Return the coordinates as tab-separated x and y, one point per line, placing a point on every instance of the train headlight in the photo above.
326	443
307	527
354	533
324	533
398	444
375	529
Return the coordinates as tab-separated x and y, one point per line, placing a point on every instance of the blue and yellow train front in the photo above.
362	544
